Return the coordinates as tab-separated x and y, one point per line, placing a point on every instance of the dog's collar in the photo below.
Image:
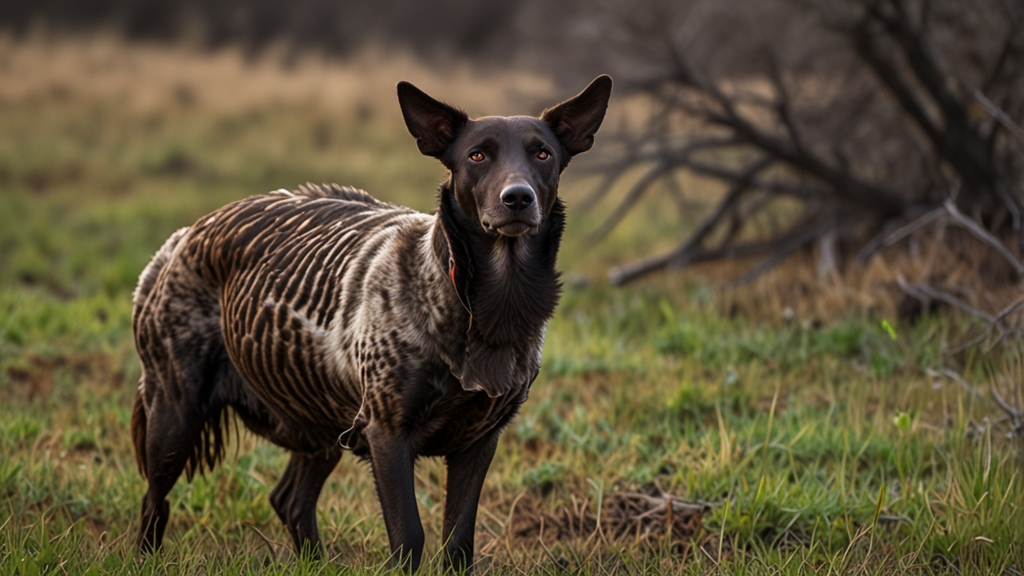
457	247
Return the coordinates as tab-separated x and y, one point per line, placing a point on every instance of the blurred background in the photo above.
808	210
756	131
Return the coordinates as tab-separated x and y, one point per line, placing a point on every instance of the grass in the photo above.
819	444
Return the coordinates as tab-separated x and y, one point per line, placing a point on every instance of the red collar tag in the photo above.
451	272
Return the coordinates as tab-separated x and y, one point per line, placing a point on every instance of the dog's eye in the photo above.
543	155
477	156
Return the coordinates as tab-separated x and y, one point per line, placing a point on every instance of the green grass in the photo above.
824	449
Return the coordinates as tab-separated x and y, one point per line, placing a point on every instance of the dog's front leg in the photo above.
393	460
466	472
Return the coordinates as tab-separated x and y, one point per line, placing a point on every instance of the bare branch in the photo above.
836	124
629	272
627	203
739	187
683	255
675	190
608	180
923	66
887	238
952	375
877	59
803	236
999	324
1012	412
668	157
984	235
925	292
845	185
999	115
1005	52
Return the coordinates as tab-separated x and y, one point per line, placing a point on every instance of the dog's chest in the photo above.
412	373
437	415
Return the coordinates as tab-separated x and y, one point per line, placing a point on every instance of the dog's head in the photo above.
505	170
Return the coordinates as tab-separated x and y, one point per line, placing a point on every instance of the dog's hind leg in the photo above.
172	433
179	425
177	419
294	498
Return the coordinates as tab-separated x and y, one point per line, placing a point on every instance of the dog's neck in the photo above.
509	286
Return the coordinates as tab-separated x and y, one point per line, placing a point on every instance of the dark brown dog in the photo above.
326	319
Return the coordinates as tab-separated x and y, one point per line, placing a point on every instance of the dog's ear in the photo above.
576	120
434	124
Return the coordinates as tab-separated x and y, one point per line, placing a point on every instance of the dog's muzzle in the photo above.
518	197
520	215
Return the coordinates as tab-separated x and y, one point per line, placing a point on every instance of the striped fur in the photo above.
327	320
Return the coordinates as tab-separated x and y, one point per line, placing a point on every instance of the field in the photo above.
827	439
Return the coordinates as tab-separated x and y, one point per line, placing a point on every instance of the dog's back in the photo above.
248	300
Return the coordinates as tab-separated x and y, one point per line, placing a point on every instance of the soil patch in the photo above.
637	516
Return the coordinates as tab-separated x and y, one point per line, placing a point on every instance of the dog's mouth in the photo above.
514	229
511	229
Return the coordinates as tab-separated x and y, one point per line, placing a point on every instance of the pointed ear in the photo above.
434	124
576	120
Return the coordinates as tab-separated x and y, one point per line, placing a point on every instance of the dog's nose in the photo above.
517	196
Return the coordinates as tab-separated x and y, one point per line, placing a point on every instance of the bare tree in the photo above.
869	114
474	30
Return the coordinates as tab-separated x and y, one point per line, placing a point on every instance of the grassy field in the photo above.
829	442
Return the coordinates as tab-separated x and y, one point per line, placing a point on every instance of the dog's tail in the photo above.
139	432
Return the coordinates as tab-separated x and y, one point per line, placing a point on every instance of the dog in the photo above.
327	320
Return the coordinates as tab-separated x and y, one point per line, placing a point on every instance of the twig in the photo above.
631	198
886	238
675	190
999	115
602	188
1012	412
789	245
270	546
709	556
632	271
948	373
926	292
678	157
556	561
844	184
988	330
739	187
683	255
984	235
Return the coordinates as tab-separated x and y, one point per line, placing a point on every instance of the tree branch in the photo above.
984	235
627	203
887	238
999	115
925	292
801	235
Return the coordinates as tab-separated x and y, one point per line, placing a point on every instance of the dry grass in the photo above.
150	77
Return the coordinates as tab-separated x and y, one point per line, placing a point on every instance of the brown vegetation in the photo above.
848	127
